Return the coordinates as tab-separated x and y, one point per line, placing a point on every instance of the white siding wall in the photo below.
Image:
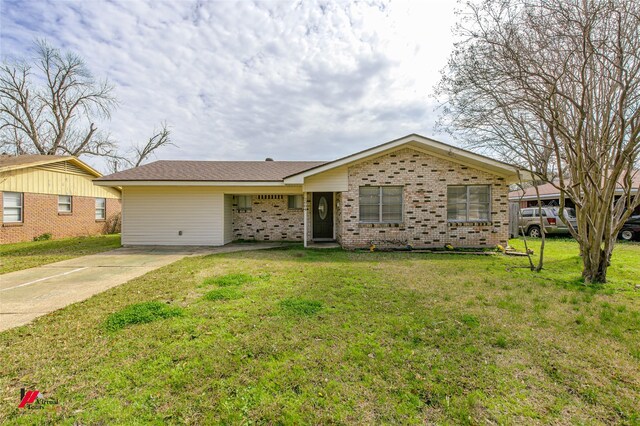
155	215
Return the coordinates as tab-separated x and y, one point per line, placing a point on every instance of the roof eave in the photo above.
186	183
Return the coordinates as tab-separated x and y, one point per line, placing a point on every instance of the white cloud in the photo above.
247	80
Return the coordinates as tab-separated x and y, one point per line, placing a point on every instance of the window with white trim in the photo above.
101	208
468	203
295	202
12	207
380	204
244	203
64	203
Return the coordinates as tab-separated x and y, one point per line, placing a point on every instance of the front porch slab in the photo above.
323	245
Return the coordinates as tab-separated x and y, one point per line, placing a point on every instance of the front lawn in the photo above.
314	337
14	257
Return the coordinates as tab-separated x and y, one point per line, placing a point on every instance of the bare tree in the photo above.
140	153
51	107
555	88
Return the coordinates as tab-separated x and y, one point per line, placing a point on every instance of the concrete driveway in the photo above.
28	294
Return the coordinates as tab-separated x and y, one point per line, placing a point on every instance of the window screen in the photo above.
295	202
468	203
244	203
101	208
381	204
12	207
64	203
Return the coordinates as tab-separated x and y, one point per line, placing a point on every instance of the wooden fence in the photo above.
514	217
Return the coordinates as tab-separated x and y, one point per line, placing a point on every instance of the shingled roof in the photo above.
213	171
547	190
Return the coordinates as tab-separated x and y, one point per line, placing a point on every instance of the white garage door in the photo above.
172	216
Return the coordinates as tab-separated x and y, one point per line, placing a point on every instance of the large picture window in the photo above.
381	204
468	203
12	207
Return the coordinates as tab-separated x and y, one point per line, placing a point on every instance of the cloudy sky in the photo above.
248	80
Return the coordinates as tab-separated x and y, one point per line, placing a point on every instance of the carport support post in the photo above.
304	218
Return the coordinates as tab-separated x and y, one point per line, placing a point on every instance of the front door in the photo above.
322	215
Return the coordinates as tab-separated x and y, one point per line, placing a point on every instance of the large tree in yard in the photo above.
50	106
554	87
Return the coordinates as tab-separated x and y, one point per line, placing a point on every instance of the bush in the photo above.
113	225
141	313
42	237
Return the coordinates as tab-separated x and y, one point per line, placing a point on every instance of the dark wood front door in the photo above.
322	215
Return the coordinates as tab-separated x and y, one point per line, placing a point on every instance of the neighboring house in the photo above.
410	191
51	194
550	196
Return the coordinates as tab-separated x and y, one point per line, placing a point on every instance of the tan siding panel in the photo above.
40	181
154	216
335	180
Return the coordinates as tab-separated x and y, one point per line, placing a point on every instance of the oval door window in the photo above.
322	208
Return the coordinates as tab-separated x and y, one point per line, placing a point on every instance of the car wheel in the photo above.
626	235
534	232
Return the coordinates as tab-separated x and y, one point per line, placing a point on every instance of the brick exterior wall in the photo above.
425	179
40	216
269	220
338	214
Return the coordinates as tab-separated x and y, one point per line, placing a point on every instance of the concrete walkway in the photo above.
30	293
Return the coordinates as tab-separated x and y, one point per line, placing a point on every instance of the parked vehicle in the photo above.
530	221
631	229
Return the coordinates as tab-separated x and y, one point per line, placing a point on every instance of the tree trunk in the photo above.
595	264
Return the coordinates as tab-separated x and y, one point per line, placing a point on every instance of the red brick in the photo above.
40	216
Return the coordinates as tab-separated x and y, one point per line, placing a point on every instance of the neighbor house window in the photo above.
101	208
295	202
12	207
381	204
468	203
244	203
64	203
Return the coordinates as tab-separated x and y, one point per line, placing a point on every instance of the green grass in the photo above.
14	257
223	294
341	337
229	280
300	306
141	313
